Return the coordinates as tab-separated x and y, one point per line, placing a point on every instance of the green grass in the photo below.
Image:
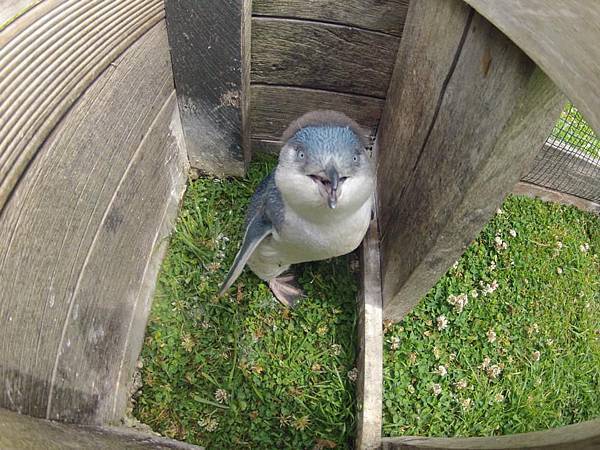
241	371
572	128
524	357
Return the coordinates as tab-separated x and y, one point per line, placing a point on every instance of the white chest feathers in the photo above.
301	240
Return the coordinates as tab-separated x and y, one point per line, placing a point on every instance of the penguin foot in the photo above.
286	289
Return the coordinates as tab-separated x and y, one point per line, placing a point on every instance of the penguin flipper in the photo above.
259	227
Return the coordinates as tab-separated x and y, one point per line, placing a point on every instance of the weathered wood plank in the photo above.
386	16
369	385
47	62
79	243
466	113
332	57
210	50
562	38
581	436
274	107
12	9
19	432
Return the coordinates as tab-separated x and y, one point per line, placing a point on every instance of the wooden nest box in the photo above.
105	105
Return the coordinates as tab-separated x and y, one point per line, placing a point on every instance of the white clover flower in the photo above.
437	353
209	423
559	270
410	388
395	342
559	244
499	212
353	374
492	265
436	388
491	336
486	362
513	233
461	384
584	248
466	403
442	322
458	301
221	395
474	293
336	349
499	398
494	371
536	356
441	371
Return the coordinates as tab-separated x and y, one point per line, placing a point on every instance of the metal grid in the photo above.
569	160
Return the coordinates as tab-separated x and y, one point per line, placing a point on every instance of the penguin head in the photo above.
324	164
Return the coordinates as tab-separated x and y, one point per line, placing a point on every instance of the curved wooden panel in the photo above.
581	436
19	432
47	62
386	16
321	56
80	242
562	38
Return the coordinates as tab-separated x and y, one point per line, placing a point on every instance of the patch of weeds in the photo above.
508	341
241	371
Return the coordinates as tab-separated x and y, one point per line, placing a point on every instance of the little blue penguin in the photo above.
315	205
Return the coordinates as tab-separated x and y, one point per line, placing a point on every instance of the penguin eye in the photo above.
301	155
355	158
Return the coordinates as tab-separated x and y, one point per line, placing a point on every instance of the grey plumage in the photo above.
315	205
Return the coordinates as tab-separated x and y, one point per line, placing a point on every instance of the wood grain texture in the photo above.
550	195
386	16
210	50
369	385
80	241
47	61
321	56
466	113
274	107
10	10
581	436
19	432
562	38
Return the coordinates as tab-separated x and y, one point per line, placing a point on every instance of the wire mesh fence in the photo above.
569	160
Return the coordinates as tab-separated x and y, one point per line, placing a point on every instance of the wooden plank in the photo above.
550	195
562	38
369	385
564	168
386	16
47	62
332	57
10	10
274	107
581	436
210	50
19	432
466	112
79	243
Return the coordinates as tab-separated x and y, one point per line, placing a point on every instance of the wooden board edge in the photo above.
550	195
370	360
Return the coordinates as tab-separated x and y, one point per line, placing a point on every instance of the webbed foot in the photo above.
286	289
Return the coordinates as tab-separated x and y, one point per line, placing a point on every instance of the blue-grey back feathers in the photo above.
265	213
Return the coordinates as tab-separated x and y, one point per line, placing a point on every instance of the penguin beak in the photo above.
334	179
